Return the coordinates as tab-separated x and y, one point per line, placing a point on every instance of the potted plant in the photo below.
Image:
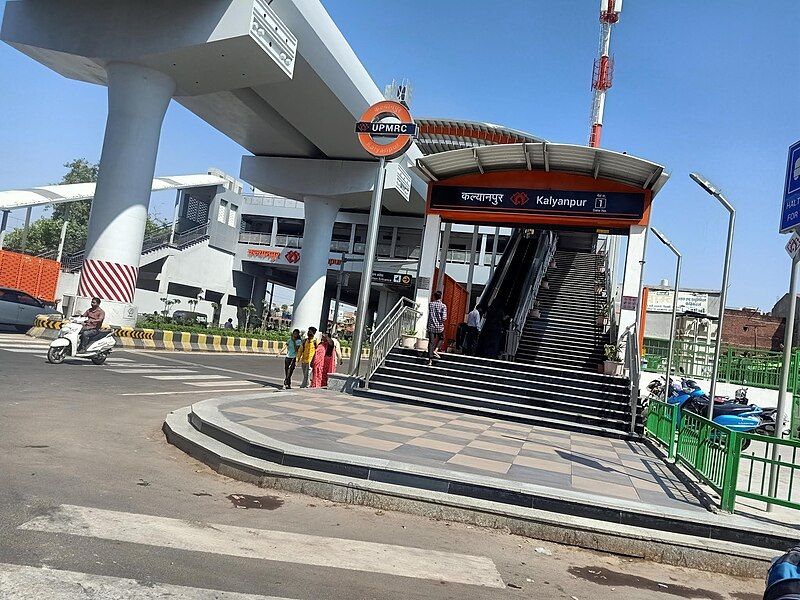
422	344
612	365
545	285
602	313
535	312
408	338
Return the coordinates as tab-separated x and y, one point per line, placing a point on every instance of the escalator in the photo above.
506	290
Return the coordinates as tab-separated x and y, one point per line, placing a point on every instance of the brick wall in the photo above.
752	329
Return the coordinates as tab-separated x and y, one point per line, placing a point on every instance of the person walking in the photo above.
292	346
474	319
437	316
306	357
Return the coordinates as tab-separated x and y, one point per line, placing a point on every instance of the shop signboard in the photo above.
661	301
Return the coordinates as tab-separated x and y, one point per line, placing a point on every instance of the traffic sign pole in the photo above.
788	337
366	275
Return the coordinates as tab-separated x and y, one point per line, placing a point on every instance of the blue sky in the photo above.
709	86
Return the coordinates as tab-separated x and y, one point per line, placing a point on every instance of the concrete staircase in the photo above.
566	335
536	394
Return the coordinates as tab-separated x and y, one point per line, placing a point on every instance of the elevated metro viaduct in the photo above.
293	99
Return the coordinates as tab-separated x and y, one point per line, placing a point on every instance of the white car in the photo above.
19	309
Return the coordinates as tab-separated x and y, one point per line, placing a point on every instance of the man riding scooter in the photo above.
91	328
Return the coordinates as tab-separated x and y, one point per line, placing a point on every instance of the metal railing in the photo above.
633	367
545	250
741	366
733	464
270	200
401	319
662	424
794	419
189	236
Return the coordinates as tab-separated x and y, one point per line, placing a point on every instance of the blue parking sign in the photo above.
790	212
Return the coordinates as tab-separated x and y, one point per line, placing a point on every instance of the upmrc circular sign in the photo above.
377	122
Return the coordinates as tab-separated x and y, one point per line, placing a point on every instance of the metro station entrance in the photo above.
553	306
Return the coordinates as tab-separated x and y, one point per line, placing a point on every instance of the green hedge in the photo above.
280	335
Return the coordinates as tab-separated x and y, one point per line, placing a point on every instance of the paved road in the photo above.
92	500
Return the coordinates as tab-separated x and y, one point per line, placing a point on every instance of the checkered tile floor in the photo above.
418	435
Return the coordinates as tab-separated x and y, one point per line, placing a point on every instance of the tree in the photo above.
44	233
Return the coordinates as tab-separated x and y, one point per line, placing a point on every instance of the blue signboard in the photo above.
790	212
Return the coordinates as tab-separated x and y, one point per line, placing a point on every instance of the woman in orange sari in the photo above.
323	356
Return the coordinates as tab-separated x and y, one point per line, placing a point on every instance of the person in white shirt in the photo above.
474	324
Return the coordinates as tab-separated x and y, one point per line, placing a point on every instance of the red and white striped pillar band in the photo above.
108	280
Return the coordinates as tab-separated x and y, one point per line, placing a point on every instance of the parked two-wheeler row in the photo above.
737	414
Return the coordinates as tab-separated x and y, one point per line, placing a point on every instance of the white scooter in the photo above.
67	342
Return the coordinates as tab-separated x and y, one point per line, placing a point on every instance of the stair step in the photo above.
504	396
551	389
612	429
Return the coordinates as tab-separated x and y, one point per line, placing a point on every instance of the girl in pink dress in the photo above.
326	358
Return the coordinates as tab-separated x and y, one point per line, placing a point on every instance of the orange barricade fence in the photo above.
37	276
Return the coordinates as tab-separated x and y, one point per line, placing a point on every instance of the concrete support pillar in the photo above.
327	304
320	215
273	236
494	250
386	300
259	291
352	248
632	282
137	101
394	242
427	266
443	256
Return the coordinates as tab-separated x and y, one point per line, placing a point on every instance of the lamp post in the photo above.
668	244
714	191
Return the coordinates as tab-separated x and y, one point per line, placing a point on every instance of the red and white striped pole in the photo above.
603	71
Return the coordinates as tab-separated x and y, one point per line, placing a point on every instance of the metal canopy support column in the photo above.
175	217
471	271
3	225
443	256
24	243
369	261
427	266
494	250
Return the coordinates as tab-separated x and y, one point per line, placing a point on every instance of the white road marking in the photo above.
184	377
204	391
117	359
22	350
264	544
154	370
220	383
226	370
30	583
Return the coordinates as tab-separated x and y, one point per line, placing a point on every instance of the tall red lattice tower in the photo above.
603	71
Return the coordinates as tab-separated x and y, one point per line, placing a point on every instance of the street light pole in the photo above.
714	191
338	294
668	244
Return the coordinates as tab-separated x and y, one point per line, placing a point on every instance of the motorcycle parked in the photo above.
68	344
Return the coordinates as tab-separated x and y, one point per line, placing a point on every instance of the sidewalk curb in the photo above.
179	341
622	539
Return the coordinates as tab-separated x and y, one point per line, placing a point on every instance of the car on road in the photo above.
187	317
19	309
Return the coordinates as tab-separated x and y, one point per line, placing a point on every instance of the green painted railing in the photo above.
740	366
662	424
794	430
757	467
733	464
710	451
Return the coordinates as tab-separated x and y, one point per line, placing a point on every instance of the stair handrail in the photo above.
633	367
183	237
545	250
387	334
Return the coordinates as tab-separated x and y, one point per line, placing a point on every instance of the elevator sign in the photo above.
790	213
386	129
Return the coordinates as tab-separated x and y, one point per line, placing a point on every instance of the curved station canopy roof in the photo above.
544	156
441	135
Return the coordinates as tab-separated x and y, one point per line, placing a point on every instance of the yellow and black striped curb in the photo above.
157	339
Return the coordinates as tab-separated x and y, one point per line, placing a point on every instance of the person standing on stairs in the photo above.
437	315
474	322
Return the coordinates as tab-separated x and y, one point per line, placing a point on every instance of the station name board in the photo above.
624	205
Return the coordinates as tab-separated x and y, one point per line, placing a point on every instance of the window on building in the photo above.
222	212
232	215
